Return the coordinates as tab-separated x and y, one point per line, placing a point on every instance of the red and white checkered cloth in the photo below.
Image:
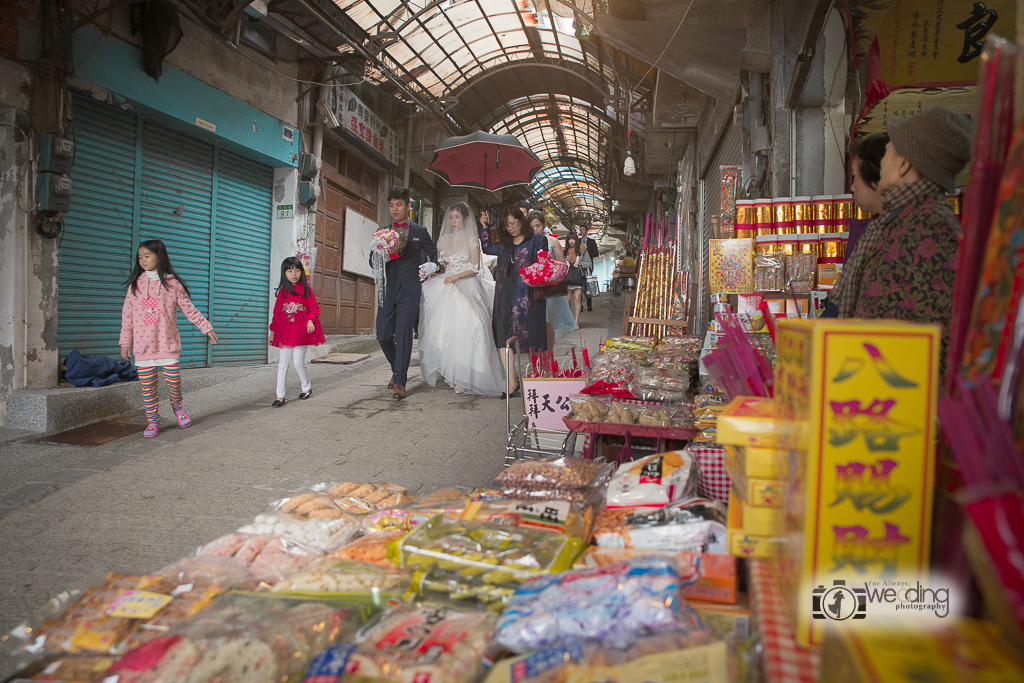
784	660
714	480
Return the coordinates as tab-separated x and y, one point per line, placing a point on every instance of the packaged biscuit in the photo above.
653	481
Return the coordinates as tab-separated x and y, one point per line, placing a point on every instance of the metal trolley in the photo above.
525	440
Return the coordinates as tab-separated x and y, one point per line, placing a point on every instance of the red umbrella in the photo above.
483	160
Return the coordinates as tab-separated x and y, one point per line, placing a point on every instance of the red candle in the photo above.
586	359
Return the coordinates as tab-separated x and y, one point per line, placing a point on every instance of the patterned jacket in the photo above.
909	271
149	318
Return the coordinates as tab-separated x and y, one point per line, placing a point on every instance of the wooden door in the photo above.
329	216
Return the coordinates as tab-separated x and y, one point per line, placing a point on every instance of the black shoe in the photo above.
305	394
278	403
514	393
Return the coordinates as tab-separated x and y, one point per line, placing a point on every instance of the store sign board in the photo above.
940	41
357	118
547	400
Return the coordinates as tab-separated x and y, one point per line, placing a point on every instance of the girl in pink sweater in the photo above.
149	328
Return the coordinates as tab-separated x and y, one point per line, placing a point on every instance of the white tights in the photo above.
297	356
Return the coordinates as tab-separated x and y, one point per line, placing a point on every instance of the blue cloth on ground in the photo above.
97	371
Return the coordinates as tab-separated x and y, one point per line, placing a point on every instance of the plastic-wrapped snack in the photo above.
372	549
365	497
615	604
642	344
589	409
572	479
688	655
354	582
66	670
281	557
242	638
188	599
654	481
769	273
664	386
696	525
684	345
428	644
705	400
483	553
320	534
553	516
207	570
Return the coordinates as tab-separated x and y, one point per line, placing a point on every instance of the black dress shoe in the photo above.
514	393
278	403
305	394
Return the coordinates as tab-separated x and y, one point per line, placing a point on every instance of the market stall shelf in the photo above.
784	661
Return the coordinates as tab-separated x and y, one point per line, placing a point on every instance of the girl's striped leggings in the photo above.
172	377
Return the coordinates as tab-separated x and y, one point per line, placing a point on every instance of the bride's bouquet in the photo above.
545	272
389	242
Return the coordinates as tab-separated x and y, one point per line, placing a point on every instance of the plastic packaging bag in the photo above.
615	604
356	582
642	344
696	526
654	481
243	637
483	553
320	534
553	516
661	385
311	505
572	479
372	549
379	494
427	644
65	670
769	273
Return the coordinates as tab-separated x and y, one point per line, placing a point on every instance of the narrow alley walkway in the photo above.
137	505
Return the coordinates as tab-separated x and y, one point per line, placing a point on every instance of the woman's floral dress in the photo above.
515	312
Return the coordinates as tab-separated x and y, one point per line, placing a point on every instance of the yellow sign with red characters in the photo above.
866	391
940	41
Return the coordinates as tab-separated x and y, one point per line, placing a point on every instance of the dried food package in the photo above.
696	525
311	505
800	272
66	670
427	644
372	548
640	344
319	534
244	637
654	481
661	385
483	553
572	479
613	365
769	273
615	605
687	346
588	408
354	582
553	516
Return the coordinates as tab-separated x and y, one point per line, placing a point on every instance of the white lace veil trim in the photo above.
458	244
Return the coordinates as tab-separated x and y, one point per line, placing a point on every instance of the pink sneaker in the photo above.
152	429
183	419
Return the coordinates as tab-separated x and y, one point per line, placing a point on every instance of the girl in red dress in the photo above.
296	325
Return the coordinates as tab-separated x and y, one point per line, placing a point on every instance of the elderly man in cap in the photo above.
907	268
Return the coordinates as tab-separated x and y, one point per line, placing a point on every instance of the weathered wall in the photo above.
244	74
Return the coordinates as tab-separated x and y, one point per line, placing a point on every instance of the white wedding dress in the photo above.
456	341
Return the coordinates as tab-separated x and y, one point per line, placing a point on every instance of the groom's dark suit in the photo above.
402	291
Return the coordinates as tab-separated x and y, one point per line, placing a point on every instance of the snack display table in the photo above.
666	436
784	660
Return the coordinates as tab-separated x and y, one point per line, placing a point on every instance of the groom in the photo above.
397	316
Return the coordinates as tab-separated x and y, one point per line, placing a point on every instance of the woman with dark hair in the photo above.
867	169
456	343
515	314
559	317
574	253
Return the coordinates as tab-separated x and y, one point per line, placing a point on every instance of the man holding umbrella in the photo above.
400	304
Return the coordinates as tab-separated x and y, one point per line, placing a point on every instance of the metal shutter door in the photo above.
242	252
97	251
177	207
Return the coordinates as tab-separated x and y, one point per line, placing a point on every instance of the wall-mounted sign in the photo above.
363	123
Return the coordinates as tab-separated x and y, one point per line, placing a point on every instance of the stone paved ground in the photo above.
135	505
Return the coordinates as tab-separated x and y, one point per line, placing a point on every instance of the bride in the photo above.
455	342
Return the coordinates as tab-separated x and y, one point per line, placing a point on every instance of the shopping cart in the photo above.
525	440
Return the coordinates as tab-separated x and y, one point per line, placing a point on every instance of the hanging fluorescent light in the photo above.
630	166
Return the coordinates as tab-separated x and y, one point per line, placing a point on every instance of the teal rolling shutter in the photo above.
177	207
96	252
241	262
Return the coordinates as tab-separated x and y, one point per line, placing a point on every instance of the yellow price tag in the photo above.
134	604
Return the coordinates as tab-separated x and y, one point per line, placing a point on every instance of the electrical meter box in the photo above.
53	192
309	165
308	193
55	154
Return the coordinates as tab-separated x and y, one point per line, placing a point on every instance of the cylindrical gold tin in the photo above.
808	243
860	214
745	227
782	214
763	221
843	212
829	246
787	244
823	213
803	214
844	238
956	200
765	244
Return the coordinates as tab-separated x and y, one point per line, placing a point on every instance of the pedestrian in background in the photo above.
295	326
590	246
577	257
149	329
559	318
